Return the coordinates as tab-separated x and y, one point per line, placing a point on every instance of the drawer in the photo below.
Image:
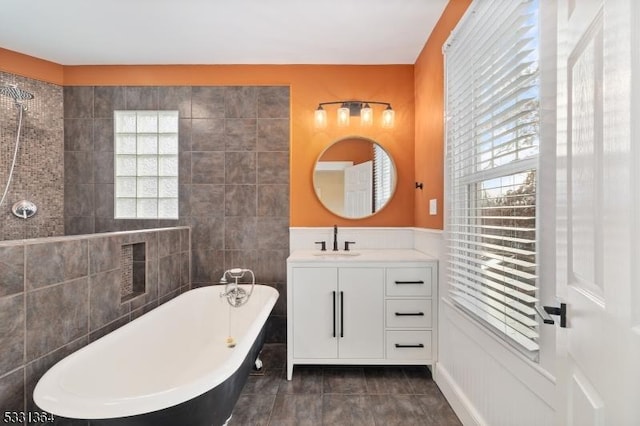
408	313
409	281
408	345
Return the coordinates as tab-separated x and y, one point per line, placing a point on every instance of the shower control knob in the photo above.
24	209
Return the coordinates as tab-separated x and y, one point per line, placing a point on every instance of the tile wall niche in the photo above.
233	181
59	294
38	175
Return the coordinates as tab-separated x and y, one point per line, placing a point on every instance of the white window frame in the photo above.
480	51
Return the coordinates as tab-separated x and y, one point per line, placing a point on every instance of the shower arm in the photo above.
15	153
17	95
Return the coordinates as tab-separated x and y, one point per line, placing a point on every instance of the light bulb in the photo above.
388	117
366	115
343	116
320	118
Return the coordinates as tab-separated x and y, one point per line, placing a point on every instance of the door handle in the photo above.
341	314
334	313
546	311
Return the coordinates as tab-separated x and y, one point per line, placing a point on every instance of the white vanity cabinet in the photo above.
374	308
338	313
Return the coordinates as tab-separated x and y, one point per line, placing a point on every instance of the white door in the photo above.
361	313
315	297
358	190
598	254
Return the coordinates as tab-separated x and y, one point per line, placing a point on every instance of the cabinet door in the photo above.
361	313
314	319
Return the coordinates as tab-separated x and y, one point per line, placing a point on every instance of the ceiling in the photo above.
90	32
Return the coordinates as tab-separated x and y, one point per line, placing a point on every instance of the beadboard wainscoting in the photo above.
485	381
365	238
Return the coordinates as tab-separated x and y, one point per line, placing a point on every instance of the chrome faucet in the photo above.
235	295
335	237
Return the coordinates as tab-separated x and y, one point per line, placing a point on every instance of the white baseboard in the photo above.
456	398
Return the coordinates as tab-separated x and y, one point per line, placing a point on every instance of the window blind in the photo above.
492	117
382	177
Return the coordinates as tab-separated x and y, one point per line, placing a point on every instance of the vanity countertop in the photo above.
371	255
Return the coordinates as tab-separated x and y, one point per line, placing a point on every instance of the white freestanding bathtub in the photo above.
170	363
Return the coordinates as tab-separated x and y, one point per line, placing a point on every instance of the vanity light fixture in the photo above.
352	108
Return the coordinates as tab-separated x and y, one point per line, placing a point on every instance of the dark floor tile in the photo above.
264	384
297	410
274	355
276	331
347	410
252	410
341	395
381	380
420	380
438	409
344	380
398	410
305	380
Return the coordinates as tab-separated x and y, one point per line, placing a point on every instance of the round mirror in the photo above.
354	177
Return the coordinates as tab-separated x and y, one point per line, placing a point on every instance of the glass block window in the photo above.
146	164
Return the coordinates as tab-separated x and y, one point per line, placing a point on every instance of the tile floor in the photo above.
335	395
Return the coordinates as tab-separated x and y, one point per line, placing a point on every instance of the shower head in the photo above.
15	93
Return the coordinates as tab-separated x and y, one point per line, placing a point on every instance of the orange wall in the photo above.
429	112
415	91
356	150
28	66
310	84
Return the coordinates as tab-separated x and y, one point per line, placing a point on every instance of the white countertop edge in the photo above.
366	255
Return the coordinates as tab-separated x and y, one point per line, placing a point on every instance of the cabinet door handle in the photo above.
409	314
410	282
419	345
341	314
334	313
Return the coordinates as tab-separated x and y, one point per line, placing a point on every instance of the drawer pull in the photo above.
419	345
409	314
410	282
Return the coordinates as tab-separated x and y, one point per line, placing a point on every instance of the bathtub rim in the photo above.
51	397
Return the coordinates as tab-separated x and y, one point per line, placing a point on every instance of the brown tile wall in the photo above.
234	175
57	295
38	174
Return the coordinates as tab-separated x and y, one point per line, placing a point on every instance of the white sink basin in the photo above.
336	253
